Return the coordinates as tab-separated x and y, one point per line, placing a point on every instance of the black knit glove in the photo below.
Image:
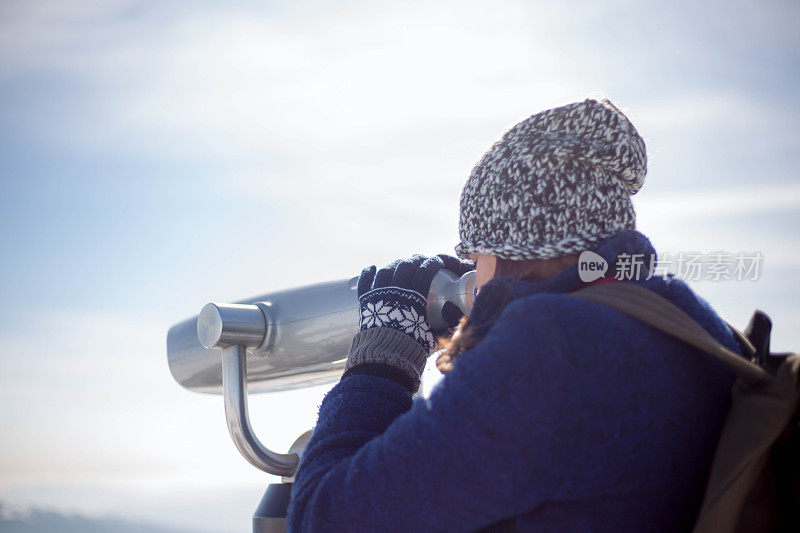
394	328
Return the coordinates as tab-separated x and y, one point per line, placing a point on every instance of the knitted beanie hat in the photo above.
557	183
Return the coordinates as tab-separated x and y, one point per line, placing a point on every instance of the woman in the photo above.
555	413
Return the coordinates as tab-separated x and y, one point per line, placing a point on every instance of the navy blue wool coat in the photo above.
568	416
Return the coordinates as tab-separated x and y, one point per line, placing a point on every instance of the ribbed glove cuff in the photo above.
388	346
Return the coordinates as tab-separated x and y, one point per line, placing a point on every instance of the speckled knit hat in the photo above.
557	183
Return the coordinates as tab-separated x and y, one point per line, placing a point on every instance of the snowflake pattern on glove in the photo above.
400	309
374	315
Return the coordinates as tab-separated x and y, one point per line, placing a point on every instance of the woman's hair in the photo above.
467	335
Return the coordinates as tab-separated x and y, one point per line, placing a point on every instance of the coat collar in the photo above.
496	293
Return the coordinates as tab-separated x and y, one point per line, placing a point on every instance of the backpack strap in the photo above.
657	311
745	344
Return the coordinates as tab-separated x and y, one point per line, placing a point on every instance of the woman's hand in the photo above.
395	296
395	337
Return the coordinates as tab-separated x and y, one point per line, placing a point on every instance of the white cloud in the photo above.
680	221
691	205
89	398
303	87
701	110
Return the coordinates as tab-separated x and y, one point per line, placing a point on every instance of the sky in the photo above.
157	156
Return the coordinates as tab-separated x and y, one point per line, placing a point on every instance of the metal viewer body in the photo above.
284	340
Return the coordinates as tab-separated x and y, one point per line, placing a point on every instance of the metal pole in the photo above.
234	386
234	328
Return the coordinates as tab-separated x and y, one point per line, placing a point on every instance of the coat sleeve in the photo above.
489	443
